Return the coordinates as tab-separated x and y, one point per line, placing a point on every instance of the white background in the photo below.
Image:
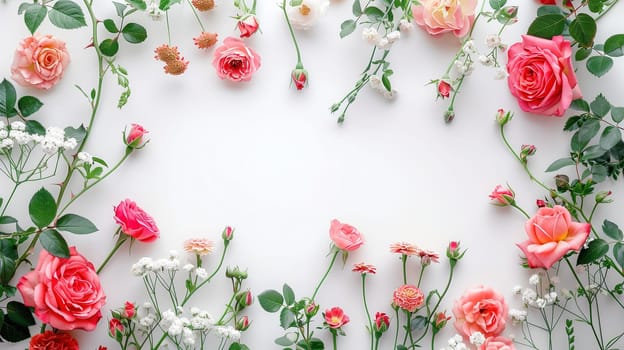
272	162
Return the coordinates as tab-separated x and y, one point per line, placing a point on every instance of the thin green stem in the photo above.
370	322
404	267
201	25
122	239
292	33
326	273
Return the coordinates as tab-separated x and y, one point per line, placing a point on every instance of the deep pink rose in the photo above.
39	61
439	17
345	236
134	138
480	309
248	26
50	340
66	293
408	297
497	343
502	196
552	234
235	61
541	76
135	222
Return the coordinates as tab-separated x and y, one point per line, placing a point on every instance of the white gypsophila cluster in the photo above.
528	296
405	25
85	157
477	338
154	11
188	267
373	37
201	273
493	41
517	315
517	289
142	267
534	280
201	320
377	85
228	332
172	263
53	140
456	342
500	74
531	298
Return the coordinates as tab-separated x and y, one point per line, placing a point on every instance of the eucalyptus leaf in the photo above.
617	114
612	230
356	8
347	27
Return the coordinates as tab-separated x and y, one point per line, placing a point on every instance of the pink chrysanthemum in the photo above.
364	268
199	246
404	248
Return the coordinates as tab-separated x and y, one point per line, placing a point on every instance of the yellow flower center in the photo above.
304	10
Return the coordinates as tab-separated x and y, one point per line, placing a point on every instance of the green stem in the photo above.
292	33
420	275
396	334
201	25
334	342
188	296
122	239
404	266
326	273
521	210
370	322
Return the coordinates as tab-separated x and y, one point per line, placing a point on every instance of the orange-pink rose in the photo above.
66	293
552	234
345	236
234	61
135	222
541	76
497	343
439	17
39	61
408	297
480	309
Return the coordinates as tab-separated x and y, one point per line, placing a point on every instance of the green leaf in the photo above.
76	133
595	6
600	106
386	82
582	54
593	152
134	33
287	318
109	47
120	8
580	105
284	340
66	14
289	294
42	208
7	269
610	137
110	25
560	163
52	241
19	314
347	27
12	332
138	4
612	230
618	253
595	250
7	220
599	174
34	127
356	8
583	29
374	13
547	26
316	344
8	98
617	114
548	10
34	16
165	5
497	4
28	105
589	129
75	224
599	65
614	46
271	300
295	3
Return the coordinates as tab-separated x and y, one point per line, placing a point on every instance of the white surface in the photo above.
272	162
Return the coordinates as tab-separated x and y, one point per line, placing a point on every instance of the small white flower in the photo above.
70	143
393	36
175	328
469	47
188	337
528	296
173	254
517	315
307	14
370	35
477	338
551	297
492	41
375	82
17	125
487	61
517	290
500	74
142	267
540	303
2	124
85	157
188	267
147	321
534	280
6	143
405	25
4	133
201	273
383	44
390	95
154	12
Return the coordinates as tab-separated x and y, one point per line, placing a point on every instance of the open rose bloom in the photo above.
443	16
480	309
135	222
234	61
39	61
345	236
552	234
66	293
541	76
305	15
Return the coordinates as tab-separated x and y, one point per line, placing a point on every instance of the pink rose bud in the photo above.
311	309
454	253
134	138
444	89
382	323
601	197
526	151
248	26
242	324
503	117
300	78
502	196
129	310
227	234
540	203
115	329
440	320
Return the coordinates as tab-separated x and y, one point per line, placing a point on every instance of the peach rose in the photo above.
235	61
552	234
345	236
135	222
66	293
442	16
50	340
408	297
497	343
480	309
39	61
541	76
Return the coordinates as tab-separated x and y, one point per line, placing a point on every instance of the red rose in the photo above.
248	26
66	293
53	341
135	222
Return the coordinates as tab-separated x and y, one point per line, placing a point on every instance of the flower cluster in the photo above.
51	141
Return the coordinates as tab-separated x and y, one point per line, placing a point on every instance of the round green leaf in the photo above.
617	114
66	14
614	46
618	253
583	29
109	47
54	243
599	65
612	230
75	224
271	300
595	250
134	33
610	137
347	27
110	25
28	105
42	208
582	53
547	26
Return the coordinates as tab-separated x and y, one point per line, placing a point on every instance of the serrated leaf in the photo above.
600	106
134	33
110	25
289	294
19	314
614	45
109	47
572	123
547	26
612	230
347	27
34	127
580	105
583	30
271	300
28	105
610	137
75	224
8	98
287	318
76	133
587	132
560	163
374	13
66	14
356	9
599	65
34	16
42	208
618	253
284	341
595	250
137	4
52	241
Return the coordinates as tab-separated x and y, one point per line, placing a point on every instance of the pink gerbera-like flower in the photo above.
428	256
199	246
364	268
404	248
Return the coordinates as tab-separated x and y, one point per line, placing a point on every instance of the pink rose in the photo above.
408	297
39	61
248	26
552	234
497	343
335	317
541	76
480	309
438	17
502	196
50	340
134	139
444	89
135	222
235	61
66	293
345	236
